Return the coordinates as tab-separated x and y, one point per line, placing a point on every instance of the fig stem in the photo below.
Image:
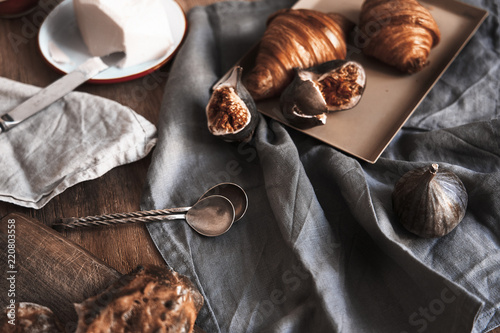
434	168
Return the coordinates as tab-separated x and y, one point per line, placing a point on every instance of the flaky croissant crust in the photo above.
400	33
295	38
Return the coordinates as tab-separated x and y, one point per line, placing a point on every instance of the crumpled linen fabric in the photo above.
78	138
320	249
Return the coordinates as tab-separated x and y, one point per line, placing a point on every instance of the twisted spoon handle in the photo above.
123	218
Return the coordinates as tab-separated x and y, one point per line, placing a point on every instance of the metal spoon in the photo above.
210	216
233	193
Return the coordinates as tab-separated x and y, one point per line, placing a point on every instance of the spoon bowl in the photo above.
233	193
211	216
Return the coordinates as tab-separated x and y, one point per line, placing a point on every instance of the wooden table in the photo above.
120	189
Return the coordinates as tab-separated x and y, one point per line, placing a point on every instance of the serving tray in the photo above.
390	97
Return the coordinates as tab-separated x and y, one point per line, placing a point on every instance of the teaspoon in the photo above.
210	216
234	193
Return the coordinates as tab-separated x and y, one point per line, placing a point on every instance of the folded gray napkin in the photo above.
320	249
78	138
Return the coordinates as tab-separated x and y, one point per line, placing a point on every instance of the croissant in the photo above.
400	33
295	38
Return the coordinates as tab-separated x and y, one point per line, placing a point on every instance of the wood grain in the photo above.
49	269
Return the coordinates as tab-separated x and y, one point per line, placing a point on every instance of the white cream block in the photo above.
139	28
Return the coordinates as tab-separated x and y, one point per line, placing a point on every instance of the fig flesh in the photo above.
430	202
332	86
231	111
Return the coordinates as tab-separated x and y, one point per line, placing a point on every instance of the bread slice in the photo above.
149	299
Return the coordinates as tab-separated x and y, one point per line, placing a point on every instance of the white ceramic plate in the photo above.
60	27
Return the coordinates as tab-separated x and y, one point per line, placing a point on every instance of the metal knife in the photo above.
58	89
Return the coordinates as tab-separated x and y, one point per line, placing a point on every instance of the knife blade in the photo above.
58	89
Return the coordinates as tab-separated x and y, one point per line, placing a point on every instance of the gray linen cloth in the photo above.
77	138
320	249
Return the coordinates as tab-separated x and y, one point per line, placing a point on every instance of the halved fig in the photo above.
231	111
332	86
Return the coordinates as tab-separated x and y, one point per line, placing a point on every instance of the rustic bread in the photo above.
29	318
149	299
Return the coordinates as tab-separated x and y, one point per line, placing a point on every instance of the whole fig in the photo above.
429	202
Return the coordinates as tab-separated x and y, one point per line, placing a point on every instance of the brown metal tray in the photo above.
389	97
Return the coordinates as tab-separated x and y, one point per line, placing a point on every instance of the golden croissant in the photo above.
400	33
295	38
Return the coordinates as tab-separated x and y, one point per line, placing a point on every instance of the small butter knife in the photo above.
58	89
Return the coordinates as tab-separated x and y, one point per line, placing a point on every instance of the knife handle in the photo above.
52	92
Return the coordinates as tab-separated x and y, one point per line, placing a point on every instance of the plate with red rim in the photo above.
390	97
60	31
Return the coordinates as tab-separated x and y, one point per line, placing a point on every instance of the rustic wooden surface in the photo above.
119	190
50	270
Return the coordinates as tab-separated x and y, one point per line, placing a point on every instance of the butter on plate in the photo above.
139	28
